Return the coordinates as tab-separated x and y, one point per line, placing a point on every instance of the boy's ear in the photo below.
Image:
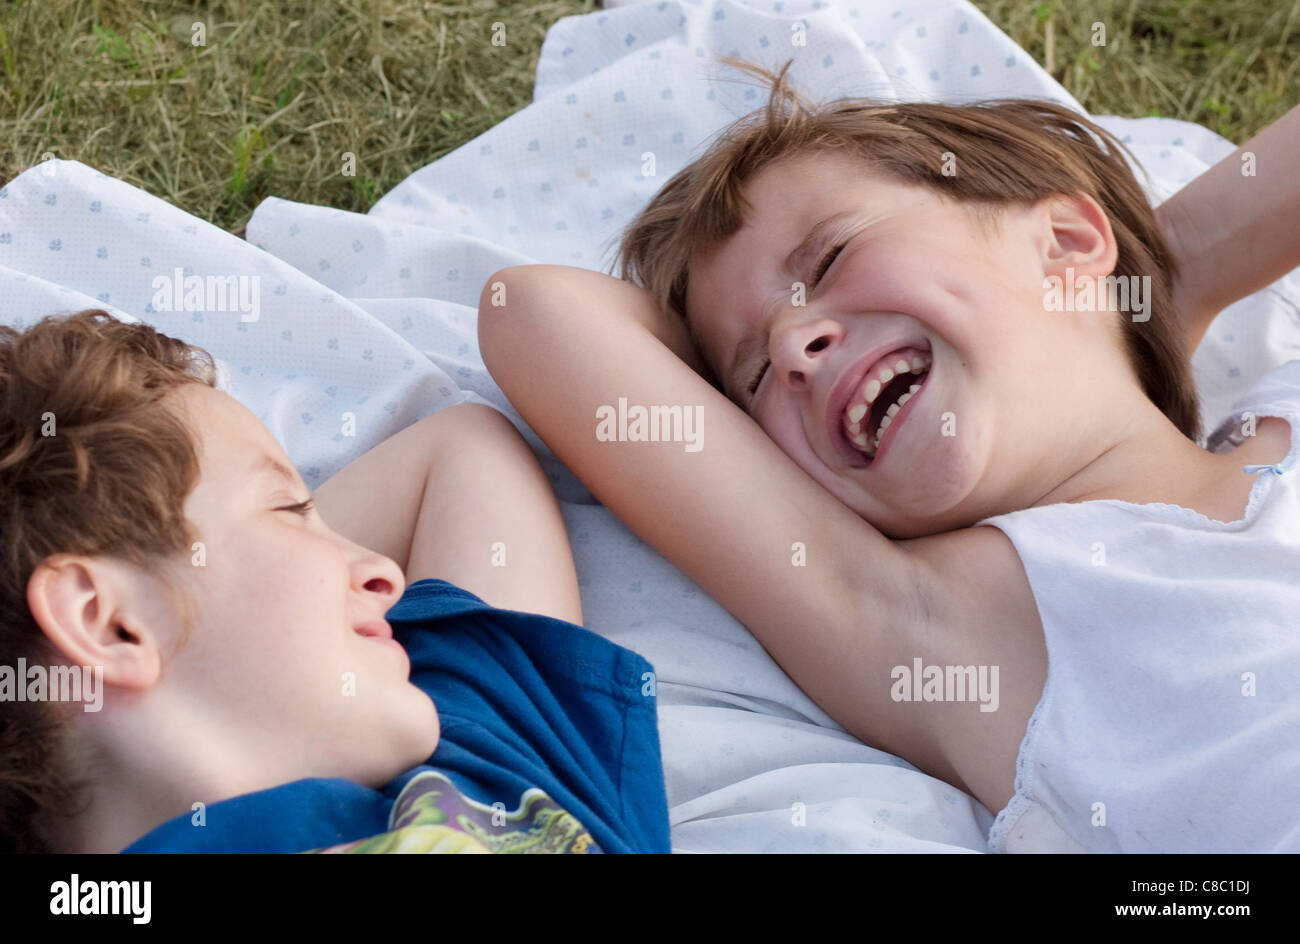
1078	236
90	610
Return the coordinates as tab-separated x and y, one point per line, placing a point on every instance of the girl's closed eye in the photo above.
825	263
822	267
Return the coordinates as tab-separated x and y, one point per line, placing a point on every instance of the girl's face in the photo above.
286	663
920	378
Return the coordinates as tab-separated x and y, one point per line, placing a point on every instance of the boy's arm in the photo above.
459	496
1231	233
836	603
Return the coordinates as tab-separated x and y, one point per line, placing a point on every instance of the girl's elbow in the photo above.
492	304
506	305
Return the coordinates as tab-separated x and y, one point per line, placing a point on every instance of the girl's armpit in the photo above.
837	604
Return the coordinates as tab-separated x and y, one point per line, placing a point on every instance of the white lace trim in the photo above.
1022	799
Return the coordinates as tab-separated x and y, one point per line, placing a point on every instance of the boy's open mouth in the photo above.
886	388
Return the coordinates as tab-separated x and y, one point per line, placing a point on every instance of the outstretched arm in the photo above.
459	496
835	603
1233	230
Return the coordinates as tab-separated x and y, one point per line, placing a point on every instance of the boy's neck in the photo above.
104	827
138	778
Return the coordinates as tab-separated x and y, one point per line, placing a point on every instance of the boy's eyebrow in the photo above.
268	464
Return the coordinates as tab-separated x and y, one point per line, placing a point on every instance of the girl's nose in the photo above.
800	350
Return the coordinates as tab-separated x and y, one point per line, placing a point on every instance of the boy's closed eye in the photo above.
303	508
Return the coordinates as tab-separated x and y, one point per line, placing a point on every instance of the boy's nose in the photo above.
376	574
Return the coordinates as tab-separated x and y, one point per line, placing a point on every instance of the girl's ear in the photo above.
91	612
1077	235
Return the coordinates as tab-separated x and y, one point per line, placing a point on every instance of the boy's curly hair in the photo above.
1009	152
91	463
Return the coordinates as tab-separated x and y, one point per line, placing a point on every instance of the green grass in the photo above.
274	101
1231	65
282	91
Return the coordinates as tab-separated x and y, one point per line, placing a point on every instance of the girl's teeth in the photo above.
871	390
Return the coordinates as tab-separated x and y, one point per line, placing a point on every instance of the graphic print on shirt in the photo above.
430	816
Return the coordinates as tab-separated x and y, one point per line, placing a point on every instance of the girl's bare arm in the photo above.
835	603
1233	229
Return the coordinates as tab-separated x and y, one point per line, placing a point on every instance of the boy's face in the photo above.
281	666
921	292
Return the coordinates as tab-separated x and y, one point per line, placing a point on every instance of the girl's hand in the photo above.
1233	230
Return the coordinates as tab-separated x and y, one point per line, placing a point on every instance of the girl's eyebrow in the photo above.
797	263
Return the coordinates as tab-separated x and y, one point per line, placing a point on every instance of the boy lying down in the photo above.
285	673
920	470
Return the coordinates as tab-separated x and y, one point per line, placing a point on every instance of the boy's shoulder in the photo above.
529	701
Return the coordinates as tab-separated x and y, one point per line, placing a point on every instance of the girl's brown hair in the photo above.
92	462
1010	152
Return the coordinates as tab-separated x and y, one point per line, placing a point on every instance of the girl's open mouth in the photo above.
877	404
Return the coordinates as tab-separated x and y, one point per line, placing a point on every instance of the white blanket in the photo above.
374	315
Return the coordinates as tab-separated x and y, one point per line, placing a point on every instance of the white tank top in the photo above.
1170	718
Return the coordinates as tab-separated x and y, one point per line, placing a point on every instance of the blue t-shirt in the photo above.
525	702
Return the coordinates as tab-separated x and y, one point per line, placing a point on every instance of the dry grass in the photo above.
1231	65
273	102
283	90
